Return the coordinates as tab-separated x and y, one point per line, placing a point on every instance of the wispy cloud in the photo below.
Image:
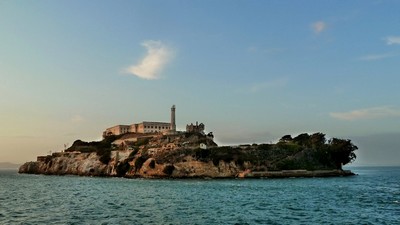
369	113
253	49
280	82
318	26
392	40
77	119
373	57
158	55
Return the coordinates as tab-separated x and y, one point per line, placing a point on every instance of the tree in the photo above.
342	151
302	139
286	138
317	140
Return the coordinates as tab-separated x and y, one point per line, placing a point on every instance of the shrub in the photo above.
105	156
287	164
168	169
152	164
122	168
202	154
133	153
143	141
139	162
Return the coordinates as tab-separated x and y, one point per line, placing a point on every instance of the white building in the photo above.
144	127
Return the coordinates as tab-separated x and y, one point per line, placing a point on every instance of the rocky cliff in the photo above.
195	155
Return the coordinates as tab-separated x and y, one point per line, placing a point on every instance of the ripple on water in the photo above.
364	199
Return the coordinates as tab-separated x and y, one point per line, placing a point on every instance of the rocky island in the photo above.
195	155
157	150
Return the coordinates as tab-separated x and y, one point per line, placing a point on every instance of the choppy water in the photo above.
372	197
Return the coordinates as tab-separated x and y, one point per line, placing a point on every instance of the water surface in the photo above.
372	197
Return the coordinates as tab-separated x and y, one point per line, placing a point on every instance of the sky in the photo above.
251	71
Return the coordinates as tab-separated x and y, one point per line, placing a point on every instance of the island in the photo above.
158	150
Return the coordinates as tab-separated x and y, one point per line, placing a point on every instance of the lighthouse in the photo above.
173	124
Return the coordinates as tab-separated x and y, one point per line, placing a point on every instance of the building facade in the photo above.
144	127
117	130
150	127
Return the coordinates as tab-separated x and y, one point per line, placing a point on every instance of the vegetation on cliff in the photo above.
102	148
310	152
196	155
305	151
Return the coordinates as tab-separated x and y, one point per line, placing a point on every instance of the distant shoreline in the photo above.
370	166
8	165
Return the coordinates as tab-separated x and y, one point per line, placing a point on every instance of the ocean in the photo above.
371	197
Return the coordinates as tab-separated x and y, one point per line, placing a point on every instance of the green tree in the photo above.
286	138
302	139
342	151
317	140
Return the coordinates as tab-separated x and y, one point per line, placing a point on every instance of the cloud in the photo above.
149	68
392	40
369	113
77	119
280	82
253	49
374	57
318	27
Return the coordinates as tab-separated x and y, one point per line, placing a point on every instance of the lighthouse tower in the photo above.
173	124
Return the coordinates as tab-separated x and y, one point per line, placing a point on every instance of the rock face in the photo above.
88	164
68	163
184	155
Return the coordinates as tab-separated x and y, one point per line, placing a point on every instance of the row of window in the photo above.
126	130
156	127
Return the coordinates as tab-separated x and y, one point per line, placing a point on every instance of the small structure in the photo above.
198	128
210	135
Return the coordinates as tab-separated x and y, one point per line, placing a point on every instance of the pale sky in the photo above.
251	71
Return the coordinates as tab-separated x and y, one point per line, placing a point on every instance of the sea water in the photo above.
371	197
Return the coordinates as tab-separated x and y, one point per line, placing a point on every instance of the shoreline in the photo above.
297	173
242	175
